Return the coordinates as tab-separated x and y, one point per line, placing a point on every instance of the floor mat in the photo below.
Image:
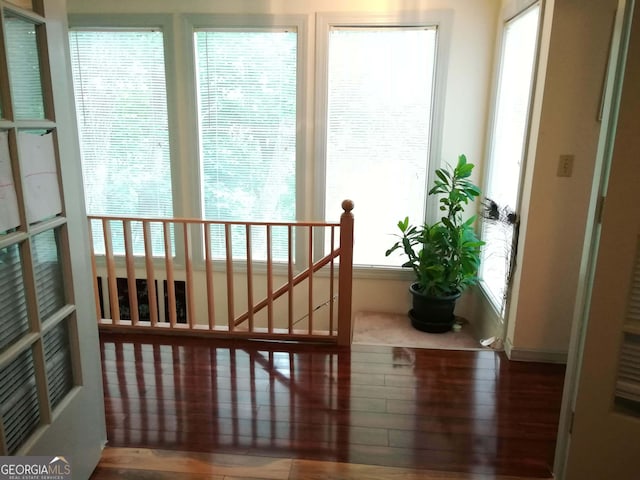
395	329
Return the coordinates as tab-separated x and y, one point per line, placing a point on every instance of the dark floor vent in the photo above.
143	299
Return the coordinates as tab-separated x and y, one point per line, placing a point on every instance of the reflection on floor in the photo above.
145	464
460	411
372	328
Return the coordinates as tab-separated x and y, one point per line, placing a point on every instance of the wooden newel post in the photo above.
345	275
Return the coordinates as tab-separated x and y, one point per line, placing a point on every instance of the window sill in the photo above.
382	273
280	269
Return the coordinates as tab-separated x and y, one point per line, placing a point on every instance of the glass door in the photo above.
50	382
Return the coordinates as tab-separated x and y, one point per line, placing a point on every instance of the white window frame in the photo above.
231	22
182	104
162	23
441	20
511	12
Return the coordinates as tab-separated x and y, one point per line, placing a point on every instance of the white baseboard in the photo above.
533	355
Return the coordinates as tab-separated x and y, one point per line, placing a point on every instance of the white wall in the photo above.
467	95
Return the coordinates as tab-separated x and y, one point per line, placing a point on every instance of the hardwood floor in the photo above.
147	464
452	411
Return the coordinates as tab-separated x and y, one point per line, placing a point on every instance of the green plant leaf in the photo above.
443	176
445	255
392	249
464	171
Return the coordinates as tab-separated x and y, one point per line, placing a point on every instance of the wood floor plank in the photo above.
213	464
104	473
108	469
472	412
318	470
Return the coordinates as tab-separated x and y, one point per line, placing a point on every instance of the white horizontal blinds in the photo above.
633	308
32	282
120	92
380	89
24	67
628	381
13	305
247	113
57	355
48	273
19	406
507	147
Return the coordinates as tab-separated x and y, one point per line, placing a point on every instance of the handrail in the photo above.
296	280
135	306
200	221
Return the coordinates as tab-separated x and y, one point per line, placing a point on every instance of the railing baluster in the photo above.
345	274
209	272
111	272
191	309
94	269
340	276
131	272
269	282
331	280
151	280
229	256
249	277
301	277
310	318
168	258
290	276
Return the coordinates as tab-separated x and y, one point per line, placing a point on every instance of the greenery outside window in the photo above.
246	87
121	104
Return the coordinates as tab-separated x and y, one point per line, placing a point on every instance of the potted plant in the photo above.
445	255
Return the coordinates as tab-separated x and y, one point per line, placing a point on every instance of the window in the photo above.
380	90
120	91
507	149
247	160
247	123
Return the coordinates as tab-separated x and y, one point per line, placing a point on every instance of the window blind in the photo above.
247	109
24	67
628	382
380	89
57	356
48	273
120	91
628	379
13	306
19	400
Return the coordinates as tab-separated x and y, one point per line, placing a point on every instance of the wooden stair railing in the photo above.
152	250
